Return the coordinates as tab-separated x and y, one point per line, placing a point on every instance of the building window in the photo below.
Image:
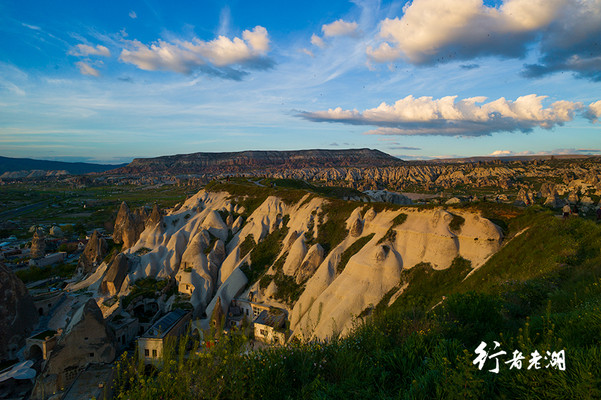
263	332
154	353
146	353
91	355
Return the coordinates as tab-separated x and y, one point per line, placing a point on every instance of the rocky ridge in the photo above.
240	162
203	246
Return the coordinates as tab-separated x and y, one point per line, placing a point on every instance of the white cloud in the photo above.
86	69
317	41
594	111
340	28
83	50
431	29
434	31
501	153
186	56
133	15
32	27
336	28
449	116
565	151
307	52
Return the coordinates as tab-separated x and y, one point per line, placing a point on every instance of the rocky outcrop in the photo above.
385	196
310	264
155	217
38	244
56	231
128	226
356	227
18	315
93	254
85	340
117	271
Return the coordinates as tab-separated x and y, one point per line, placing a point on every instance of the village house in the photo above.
270	326
151	344
41	344
125	329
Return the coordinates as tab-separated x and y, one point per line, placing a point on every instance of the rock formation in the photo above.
115	275
85	340
155	217
385	196
56	231
18	315
188	246
128	226
93	254
38	244
310	264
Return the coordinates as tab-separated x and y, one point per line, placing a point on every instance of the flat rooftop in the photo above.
162	327
273	318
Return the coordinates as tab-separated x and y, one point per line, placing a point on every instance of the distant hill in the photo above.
12	165
513	158
245	161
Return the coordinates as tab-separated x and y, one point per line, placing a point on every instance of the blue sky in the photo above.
107	82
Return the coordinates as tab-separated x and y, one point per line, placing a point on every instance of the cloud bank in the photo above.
449	116
217	57
566	34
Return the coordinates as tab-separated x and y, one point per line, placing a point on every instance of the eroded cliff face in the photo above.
129	225
206	243
333	298
18	315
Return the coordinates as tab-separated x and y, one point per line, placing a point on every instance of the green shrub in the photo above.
351	251
247	245
456	223
471	317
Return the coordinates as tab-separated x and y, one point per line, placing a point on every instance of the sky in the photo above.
111	81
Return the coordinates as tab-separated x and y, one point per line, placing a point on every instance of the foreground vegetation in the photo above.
541	292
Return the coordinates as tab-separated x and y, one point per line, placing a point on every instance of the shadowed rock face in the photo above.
85	340
155	217
93	254
18	315
38	245
111	284
129	225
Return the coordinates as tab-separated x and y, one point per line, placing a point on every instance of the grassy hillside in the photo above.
540	292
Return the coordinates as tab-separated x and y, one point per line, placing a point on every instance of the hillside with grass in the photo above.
540	292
